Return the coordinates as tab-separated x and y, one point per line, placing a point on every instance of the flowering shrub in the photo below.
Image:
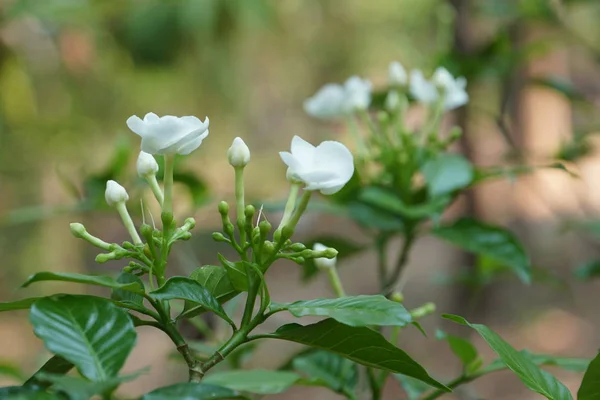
398	185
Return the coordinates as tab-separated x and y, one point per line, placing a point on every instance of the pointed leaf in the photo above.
464	350
414	388
215	279
91	332
55	365
491	241
447	173
335	372
359	344
361	310
22	304
254	381
590	386
236	271
82	389
25	393
179	287
127	296
86	279
192	391
534	378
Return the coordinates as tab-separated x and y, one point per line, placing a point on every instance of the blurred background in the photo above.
72	72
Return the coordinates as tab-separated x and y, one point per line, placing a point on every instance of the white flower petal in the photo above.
421	89
136	125
335	157
327	103
302	150
191	145
333	188
397	74
357	93
151	118
443	78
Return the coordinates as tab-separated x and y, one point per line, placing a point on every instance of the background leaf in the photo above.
22	304
86	279
331	370
192	391
464	350
91	332
55	365
254	381
590	386
446	173
127	296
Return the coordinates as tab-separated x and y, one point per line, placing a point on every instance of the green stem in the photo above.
168	182
302	205
158	194
461	380
400	263
335	281
128	222
361	147
289	205
381	245
374	384
240	206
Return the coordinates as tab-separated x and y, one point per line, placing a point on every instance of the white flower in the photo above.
238	154
169	134
442	84
327	167
392	101
397	74
323	262
115	194
335	100
146	165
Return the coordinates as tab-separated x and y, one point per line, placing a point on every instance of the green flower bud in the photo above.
228	228
129	269
287	232
249	212
265	228
146	231
104	257
218	237
298	260
422	311
167	218
188	224
256	236
397	297
78	230
223	208
147	251
128	246
185	236
268	248
297	247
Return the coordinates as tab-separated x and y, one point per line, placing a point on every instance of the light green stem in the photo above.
168	182
302	205
240	206
289	205
158	194
361	147
128	222
96	241
335	281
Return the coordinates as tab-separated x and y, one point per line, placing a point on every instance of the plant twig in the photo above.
400	263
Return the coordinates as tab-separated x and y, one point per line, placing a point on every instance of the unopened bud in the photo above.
397	297
265	228
329	258
188	224
249	212
238	154
146	165
185	236
104	257
297	247
115	193
223	208
78	230
218	237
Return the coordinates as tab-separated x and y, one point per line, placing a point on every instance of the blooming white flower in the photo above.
239	153
323	262
334	100
397	74
327	167
442	84
169	134
146	165
115	194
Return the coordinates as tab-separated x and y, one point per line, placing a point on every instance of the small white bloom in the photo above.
146	165
169	134
392	101
397	74
238	154
115	193
442	84
322	262
327	167
334	100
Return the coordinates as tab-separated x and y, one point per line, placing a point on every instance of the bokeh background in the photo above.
72	72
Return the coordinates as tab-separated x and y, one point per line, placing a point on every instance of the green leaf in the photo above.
370	217
344	247
359	344
464	350
179	287
91	332
491	241
192	391
127	296
534	378
82	389
86	279
392	203
446	173
331	370
254	381
566	363
22	304
363	310
215	279
588	270
590	386
9	369
25	393
55	365
236	271
414	388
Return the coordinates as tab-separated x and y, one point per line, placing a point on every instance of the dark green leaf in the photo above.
86	279
464	350
23	393
566	363
590	386
215	279
91	332
192	391
331	370
414	388
11	370
446	173
127	296
254	381
55	365
236	271
344	247
82	389
494	242
179	287
363	310
359	344
371	217
390	202
534	378
588	270
22	304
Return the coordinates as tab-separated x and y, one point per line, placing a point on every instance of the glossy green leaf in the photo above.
91	332
179	287
464	350
192	391
359	344
371	217
345	248
22	304
55	365
566	363
590	386
215	279
127	296
82	389
86	279
491	241
446	173
254	381
331	370
363	310
534	378
236	271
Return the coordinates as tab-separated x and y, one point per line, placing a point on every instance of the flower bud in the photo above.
265	228
146	165
398	297
298	260
223	208
249	212
330	256
218	237
78	230
268	248
185	236
238	154
188	224
104	257
297	247
115	193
